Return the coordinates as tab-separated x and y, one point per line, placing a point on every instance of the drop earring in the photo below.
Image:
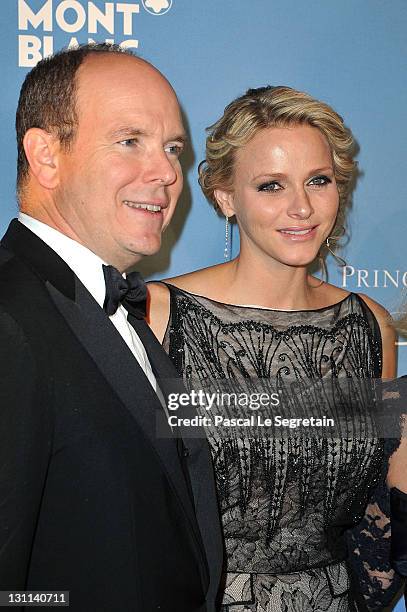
226	252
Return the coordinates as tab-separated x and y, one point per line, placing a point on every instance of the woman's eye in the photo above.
319	181
270	186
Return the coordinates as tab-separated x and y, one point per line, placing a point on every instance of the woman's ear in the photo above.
41	149
225	201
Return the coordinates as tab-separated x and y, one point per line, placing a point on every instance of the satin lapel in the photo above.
119	367
199	461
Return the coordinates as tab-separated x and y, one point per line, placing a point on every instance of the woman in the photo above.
281	163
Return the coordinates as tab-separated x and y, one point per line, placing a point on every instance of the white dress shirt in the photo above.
88	268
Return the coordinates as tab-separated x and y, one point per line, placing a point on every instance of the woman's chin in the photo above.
299	262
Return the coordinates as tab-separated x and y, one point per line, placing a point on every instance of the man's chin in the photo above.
146	249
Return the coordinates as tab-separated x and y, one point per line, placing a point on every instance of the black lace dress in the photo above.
302	531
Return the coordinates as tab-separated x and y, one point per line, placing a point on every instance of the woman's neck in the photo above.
269	283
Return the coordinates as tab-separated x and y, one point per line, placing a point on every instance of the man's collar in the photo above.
83	262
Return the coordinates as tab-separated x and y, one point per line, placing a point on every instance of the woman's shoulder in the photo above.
159	300
192	282
382	315
200	281
384	322
334	294
158	308
388	335
324	293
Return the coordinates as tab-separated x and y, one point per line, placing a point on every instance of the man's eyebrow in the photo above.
179	138
131	132
126	132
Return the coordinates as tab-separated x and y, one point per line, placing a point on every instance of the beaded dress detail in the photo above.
302	531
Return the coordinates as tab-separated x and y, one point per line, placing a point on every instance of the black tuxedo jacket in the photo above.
91	499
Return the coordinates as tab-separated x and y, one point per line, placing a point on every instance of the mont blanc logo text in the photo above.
157	7
98	20
359	278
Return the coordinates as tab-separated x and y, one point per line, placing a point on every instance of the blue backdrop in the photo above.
350	53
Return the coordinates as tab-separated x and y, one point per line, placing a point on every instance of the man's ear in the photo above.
41	149
225	201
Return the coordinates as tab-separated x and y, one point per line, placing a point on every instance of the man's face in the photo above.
120	181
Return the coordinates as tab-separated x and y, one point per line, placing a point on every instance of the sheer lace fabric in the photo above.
291	507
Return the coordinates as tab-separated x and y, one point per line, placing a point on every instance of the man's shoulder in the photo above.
27	263
12	269
5	255
23	294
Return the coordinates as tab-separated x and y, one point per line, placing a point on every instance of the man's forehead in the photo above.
108	73
126	92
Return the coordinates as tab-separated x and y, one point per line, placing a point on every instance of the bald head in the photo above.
116	66
107	79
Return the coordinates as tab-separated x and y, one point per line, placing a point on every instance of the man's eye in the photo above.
174	149
129	142
319	181
271	186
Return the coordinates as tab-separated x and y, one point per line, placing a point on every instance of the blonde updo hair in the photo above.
267	107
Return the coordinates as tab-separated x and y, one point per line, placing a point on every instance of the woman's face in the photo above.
284	194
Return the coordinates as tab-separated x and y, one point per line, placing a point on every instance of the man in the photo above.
91	499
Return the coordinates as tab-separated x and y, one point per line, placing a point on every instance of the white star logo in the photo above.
157	7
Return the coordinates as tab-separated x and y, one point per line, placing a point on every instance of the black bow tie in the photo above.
130	291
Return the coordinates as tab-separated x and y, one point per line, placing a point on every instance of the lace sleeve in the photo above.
376	584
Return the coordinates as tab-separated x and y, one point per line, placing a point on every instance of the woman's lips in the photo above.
298	234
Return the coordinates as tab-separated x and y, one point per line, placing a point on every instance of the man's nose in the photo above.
161	169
